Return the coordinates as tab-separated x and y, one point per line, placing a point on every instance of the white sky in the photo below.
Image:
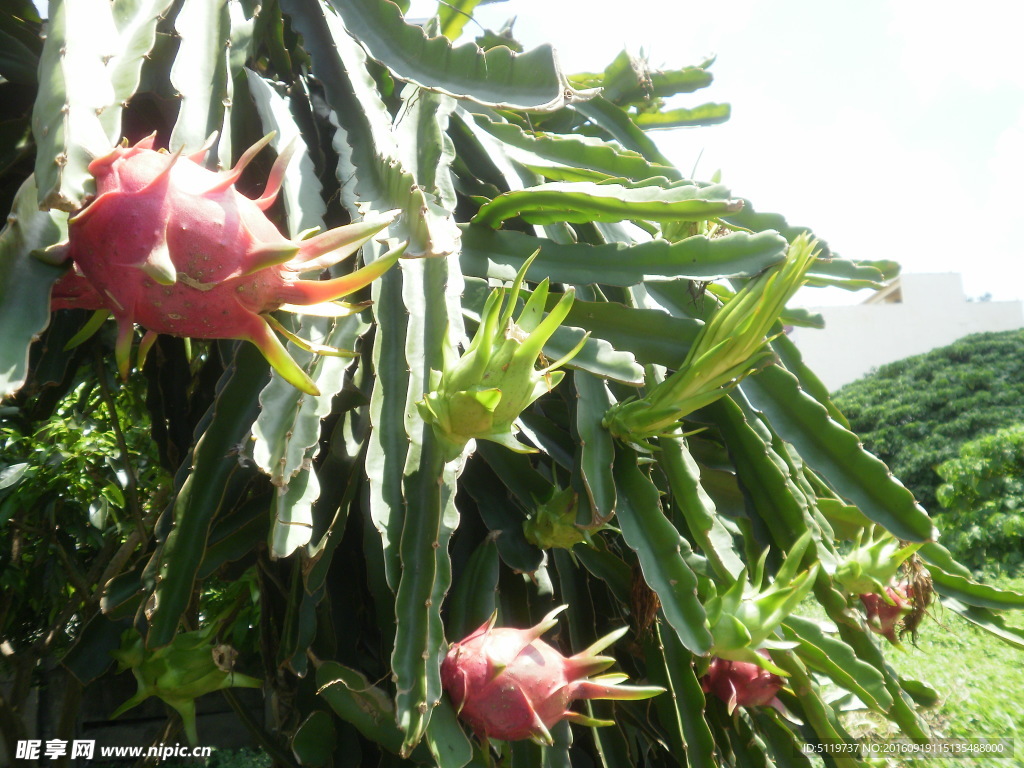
893	128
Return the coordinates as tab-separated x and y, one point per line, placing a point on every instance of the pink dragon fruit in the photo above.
508	684
742	683
885	613
178	249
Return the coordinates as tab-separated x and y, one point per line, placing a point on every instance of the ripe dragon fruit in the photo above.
508	684
885	612
178	249
742	683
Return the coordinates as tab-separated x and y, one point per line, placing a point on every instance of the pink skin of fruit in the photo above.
508	684
742	683
884	616
177	249
73	291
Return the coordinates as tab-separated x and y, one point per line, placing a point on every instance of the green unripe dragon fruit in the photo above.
179	250
178	673
508	684
744	618
873	562
553	522
481	394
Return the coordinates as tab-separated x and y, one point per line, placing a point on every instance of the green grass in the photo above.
980	680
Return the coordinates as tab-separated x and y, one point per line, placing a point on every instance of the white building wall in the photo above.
914	314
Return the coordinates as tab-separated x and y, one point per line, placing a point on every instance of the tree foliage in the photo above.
572	389
982	497
916	413
75	483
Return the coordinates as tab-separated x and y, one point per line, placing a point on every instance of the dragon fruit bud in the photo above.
886	609
508	684
873	563
731	346
742	683
481	394
178	249
553	522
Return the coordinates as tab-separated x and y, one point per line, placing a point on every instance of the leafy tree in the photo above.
983	499
80	481
571	389
916	413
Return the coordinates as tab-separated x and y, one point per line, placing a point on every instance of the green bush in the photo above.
983	497
915	413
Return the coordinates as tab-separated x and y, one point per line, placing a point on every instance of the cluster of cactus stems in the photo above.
610	438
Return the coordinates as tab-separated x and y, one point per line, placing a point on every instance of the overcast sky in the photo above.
893	128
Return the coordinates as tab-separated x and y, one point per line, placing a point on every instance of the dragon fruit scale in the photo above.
508	684
885	611
179	250
742	683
